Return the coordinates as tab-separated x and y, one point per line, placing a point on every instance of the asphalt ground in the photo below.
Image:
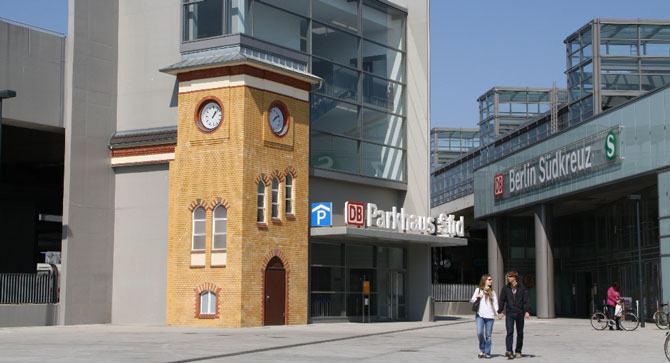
445	340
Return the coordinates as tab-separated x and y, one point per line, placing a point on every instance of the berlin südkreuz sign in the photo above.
580	157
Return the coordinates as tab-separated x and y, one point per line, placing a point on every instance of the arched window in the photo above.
288	194
219	228
260	217
199	223
207	303
275	198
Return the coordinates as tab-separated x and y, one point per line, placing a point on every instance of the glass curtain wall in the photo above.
358	115
337	273
633	58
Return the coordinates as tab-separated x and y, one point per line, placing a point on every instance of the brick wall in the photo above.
226	164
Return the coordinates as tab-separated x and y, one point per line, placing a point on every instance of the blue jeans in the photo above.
484	341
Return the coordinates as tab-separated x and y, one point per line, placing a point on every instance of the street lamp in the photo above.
3	94
636	198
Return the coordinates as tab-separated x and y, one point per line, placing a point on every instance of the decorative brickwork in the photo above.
277	174
142	150
199	290
224	167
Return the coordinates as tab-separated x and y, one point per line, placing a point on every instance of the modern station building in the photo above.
577	198
197	135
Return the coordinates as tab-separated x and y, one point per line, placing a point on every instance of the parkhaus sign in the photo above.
578	158
369	215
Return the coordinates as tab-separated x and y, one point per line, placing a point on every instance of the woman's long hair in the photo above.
487	291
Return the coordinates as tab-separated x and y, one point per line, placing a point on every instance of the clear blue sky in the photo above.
475	45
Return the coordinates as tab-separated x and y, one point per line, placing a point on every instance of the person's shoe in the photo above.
509	355
480	355
517	355
619	329
488	356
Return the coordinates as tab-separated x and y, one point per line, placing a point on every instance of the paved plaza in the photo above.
446	340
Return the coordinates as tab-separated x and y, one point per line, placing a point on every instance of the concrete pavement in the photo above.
452	340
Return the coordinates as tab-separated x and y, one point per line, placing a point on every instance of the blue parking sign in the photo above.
322	214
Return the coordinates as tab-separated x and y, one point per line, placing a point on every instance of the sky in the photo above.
475	44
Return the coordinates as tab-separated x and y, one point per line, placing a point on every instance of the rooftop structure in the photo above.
632	57
447	144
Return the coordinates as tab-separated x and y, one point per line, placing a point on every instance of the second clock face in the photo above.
278	121
210	116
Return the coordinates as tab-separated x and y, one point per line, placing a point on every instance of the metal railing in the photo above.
28	288
453	292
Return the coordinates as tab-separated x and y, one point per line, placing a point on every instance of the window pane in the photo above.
219	242
298	6
382	93
199	213
383	24
655	32
383	62
340	13
359	256
199	227
383	162
199	242
220	212
260	215
618	31
620	81
383	128
326	254
261	188
650	82
280	27
339	82
655	66
332	152
614	47
220	225
239	20
203	19
327	279
335	45
656	48
619	65
335	117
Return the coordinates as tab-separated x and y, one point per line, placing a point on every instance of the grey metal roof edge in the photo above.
436	129
235	58
517	88
632	21
144	132
388	235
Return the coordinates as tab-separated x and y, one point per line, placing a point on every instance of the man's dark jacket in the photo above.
518	303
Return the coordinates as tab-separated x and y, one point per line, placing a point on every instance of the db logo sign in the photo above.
354	213
498	185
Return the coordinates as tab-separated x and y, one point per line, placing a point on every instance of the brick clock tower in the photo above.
238	220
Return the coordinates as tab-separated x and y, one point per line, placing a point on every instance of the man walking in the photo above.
514	296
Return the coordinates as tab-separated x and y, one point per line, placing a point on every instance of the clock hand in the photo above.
276	117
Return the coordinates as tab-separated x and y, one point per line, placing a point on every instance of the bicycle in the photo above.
601	320
667	346
661	316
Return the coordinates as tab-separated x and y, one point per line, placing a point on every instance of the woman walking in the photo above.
486	313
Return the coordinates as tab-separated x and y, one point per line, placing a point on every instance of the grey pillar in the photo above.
494	254
544	263
664	228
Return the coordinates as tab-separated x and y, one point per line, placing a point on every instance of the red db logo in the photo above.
498	185
353	213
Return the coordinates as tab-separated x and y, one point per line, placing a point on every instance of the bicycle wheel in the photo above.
661	320
598	320
667	346
629	321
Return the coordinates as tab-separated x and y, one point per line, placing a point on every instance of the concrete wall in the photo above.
419	288
449	308
32	64
28	315
88	202
148	41
417	199
140	241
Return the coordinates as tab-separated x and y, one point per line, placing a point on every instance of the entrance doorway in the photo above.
392	304
274	312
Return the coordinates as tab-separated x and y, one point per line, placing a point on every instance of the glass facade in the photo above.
629	59
502	110
358	114
337	272
447	144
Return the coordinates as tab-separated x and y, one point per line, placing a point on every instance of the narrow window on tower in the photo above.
288	195
260	216
275	198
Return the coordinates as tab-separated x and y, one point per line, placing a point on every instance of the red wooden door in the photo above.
275	293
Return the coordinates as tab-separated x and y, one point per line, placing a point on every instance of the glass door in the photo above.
392	304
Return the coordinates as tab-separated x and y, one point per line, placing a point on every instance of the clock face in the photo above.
210	116
278	121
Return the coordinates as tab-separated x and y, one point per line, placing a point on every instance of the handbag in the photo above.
475	305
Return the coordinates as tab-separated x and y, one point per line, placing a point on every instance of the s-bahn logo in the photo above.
498	185
610	145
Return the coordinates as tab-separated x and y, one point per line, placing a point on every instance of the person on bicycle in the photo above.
613	297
